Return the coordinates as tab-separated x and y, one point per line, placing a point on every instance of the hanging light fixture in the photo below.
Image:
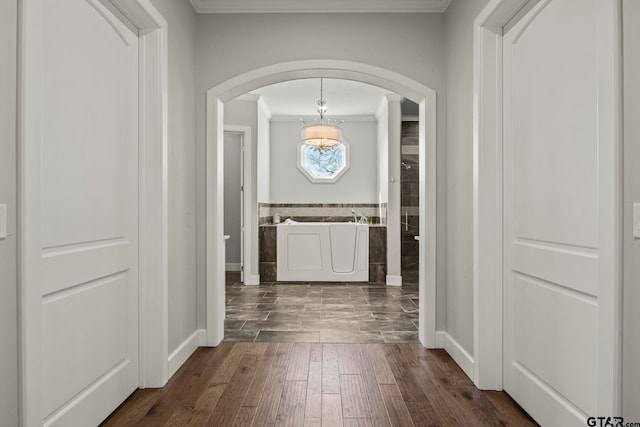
324	133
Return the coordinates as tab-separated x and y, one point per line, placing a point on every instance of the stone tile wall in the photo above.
321	212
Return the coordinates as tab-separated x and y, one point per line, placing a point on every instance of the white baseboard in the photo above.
186	349
252	280
394	280
457	353
232	266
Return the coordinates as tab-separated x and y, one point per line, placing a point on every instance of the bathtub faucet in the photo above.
363	218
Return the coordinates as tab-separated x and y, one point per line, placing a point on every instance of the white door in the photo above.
555	155
234	201
88	209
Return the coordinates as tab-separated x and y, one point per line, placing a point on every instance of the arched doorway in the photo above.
424	96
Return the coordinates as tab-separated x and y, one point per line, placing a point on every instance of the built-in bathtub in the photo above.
323	252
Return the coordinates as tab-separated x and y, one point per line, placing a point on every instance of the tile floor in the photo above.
320	312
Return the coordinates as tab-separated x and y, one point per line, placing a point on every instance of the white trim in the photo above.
250	217
487	191
154	252
610	224
262	105
394	280
252	279
252	80
353	118
29	147
456	351
180	355
302	147
410	118
487	205
232	266
327	6
381	108
253	97
153	279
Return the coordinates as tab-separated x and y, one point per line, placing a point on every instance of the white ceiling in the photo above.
344	97
320	6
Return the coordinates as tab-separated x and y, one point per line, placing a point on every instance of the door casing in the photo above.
488	202
247	242
153	206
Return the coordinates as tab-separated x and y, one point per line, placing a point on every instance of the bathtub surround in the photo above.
377	253
321	212
410	168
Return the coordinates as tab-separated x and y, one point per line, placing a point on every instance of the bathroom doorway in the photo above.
233	202
217	99
384	308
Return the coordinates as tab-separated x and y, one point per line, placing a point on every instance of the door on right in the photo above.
559	213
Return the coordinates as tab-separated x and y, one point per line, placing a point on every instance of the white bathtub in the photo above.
323	252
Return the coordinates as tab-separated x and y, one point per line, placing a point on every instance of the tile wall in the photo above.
410	201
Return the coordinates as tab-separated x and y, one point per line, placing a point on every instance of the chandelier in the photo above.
323	133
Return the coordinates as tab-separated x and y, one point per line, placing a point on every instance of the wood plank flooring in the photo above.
310	384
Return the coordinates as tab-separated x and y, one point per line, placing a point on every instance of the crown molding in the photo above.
346	119
326	6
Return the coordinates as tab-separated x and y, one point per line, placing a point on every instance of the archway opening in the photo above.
396	83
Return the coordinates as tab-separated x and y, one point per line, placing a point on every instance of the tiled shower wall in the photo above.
410	201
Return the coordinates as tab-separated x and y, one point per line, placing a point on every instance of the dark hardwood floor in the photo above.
314	384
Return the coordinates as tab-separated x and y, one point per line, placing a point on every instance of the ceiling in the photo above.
344	97
320	6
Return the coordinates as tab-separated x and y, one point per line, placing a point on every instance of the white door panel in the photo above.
88	87
552	226
89	211
553	112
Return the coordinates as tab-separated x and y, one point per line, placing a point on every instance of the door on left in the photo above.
85	66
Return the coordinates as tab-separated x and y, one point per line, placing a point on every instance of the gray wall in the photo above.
459	42
8	277
232	199
631	286
182	179
358	185
409	44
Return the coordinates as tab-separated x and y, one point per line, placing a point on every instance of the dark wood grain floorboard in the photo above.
230	402
302	384
396	406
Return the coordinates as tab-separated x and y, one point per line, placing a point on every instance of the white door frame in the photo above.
247	194
488	202
230	89
153	208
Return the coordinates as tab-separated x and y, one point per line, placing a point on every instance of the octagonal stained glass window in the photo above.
323	164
